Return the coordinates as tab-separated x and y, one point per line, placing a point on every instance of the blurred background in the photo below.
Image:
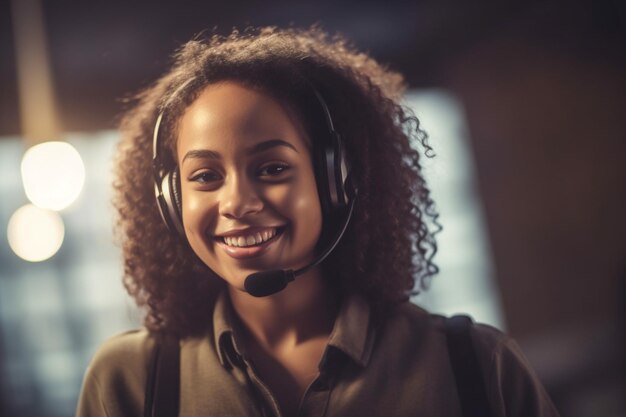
525	105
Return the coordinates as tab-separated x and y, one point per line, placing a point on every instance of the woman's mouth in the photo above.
248	244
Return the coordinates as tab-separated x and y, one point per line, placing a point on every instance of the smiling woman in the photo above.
280	154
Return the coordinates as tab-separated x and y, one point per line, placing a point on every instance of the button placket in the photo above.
315	400
262	392
316	397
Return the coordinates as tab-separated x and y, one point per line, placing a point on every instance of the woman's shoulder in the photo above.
129	349
494	348
511	382
420	320
115	380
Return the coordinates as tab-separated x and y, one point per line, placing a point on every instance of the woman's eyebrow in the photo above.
269	144
258	148
201	154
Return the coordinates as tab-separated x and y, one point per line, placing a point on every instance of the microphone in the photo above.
262	284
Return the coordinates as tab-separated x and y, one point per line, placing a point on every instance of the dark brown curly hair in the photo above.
386	253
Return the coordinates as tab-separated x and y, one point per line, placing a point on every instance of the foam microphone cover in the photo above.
261	284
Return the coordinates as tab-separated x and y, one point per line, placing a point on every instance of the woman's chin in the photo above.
236	281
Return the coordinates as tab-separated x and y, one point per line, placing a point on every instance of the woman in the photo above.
236	139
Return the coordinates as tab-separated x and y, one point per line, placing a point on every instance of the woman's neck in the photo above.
305	309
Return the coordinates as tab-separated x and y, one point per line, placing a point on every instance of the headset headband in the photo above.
331	173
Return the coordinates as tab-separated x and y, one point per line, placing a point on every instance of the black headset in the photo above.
335	185
333	175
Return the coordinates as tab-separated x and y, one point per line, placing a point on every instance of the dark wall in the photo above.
545	98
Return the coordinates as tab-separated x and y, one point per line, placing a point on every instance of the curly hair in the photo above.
386	253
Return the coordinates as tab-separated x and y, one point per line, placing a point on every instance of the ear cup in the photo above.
337	170
334	180
176	194
170	203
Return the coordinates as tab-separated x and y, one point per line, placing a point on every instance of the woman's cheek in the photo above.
189	212
308	208
196	218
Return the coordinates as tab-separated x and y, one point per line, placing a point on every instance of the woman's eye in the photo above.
205	177
273	170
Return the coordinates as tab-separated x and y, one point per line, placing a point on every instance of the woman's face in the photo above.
249	198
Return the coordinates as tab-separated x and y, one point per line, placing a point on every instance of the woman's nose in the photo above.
239	198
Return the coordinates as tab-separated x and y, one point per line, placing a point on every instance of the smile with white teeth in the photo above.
250	240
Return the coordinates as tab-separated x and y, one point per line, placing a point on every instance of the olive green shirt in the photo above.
399	367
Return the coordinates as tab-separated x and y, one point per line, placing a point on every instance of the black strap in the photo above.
163	383
470	382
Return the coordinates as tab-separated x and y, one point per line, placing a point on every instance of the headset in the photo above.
336	188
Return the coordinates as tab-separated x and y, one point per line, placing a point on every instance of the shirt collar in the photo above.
223	331
352	334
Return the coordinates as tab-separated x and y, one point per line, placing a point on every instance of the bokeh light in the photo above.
35	234
53	174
